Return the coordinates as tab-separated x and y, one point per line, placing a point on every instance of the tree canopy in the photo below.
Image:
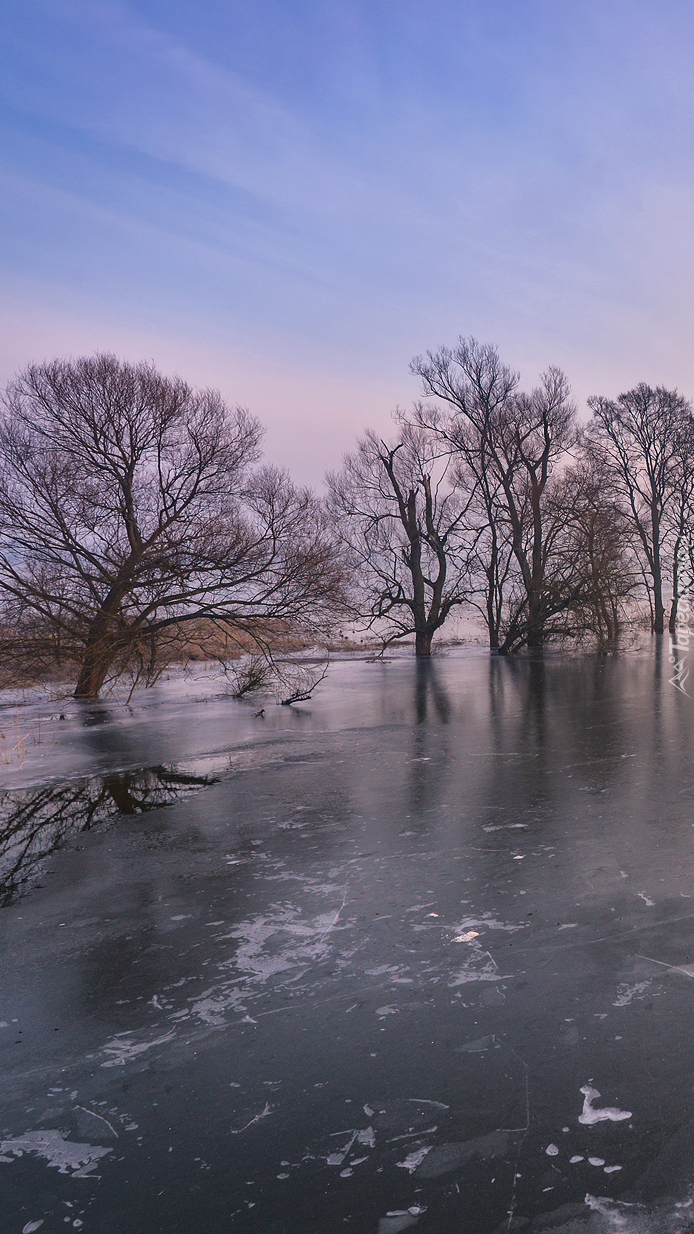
131	505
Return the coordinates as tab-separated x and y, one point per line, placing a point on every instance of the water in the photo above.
418	954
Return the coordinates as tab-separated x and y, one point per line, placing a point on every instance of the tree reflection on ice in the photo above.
35	822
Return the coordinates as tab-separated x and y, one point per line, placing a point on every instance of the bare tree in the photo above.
680	517
637	438
129	507
489	387
510	443
402	522
594	548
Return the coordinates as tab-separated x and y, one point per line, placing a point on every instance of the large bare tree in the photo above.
510	443
403	524
130	508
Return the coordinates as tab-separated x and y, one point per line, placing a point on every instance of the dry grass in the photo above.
15	742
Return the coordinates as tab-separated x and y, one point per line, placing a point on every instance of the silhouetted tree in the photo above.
129	508
403	525
595	547
509	444
637	438
680	518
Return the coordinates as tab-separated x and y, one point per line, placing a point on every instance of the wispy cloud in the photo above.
343	185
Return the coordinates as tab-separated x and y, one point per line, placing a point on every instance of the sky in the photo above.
289	199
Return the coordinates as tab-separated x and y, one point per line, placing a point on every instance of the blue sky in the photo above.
290	200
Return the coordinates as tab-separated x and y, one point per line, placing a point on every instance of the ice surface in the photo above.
203	990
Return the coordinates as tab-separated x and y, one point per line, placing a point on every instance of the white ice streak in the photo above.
211	1005
78	1160
366	1137
100	1117
256	1119
31	1226
488	922
589	1115
338	1157
414	1159
625	993
124	1050
305	937
281	943
646	900
480	966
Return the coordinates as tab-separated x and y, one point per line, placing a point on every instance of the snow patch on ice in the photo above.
62	1154
589	1115
626	993
414	1159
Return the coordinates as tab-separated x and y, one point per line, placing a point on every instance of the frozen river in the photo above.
417	954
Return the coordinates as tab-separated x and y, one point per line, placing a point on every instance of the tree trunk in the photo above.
659	614
536	630
492	609
101	647
99	655
95	666
672	623
422	643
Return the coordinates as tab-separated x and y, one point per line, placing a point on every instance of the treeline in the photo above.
498	499
136	518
